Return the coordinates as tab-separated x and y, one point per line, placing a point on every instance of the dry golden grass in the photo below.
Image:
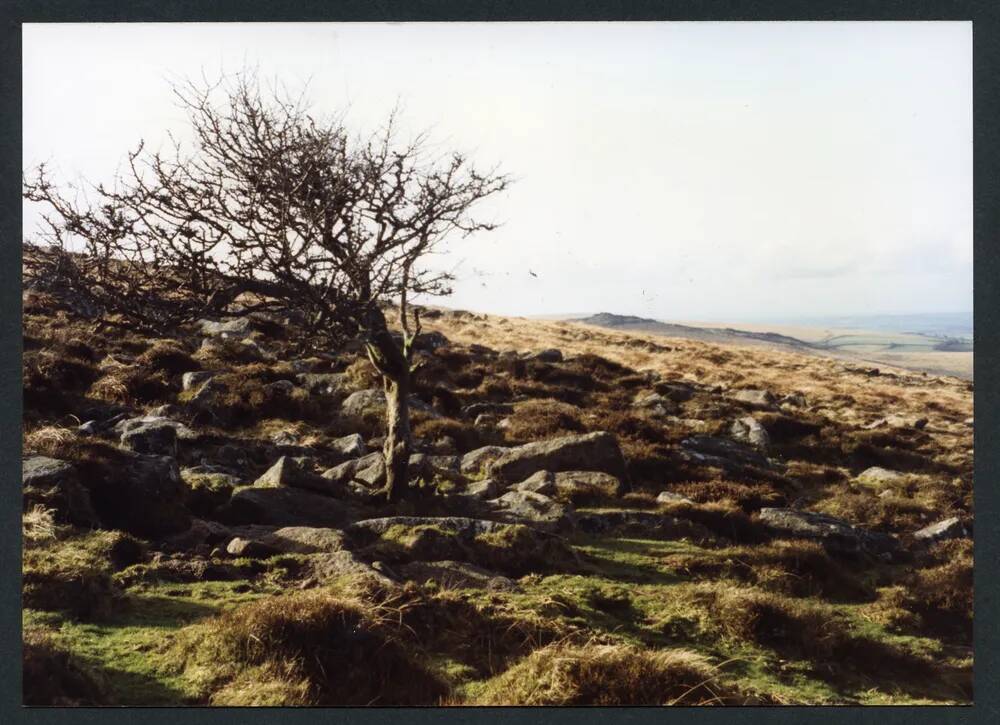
608	674
825	382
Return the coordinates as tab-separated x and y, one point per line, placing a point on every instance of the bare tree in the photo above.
292	209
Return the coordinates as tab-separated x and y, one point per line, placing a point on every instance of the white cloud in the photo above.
698	170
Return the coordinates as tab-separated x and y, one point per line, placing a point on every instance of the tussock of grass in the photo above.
38	524
74	574
48	440
536	420
132	385
720	517
607	674
54	676
169	357
310	648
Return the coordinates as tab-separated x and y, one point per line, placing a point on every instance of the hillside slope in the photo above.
937	354
595	517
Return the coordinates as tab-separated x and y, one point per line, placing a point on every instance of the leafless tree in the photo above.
282	208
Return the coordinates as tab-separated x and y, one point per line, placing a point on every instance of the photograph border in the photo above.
985	17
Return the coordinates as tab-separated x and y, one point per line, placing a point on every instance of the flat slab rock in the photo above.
54	484
456	575
283	506
836	535
532	509
477	460
712	449
588	452
641	523
459	525
950	528
285	540
877	476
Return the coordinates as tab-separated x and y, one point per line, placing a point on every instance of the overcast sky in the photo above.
699	171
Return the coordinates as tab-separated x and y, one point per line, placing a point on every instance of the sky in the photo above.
681	171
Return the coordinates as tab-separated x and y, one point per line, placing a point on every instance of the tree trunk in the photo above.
397	440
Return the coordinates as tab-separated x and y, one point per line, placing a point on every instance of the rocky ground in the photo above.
594	518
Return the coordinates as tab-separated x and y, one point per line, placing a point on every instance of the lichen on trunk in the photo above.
392	360
397	441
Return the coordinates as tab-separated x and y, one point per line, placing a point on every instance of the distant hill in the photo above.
926	351
706	334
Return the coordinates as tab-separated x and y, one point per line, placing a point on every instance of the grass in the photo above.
724	615
636	606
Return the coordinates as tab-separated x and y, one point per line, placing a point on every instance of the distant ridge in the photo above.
728	334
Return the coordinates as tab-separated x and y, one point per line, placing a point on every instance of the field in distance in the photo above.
941	348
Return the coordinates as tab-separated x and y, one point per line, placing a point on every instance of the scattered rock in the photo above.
250	549
496	409
192	380
282	473
457	575
207	491
748	430
478	460
950	528
878	477
481	490
54	484
675	391
525	507
324	383
201	532
836	535
551	355
336	564
374	475
143	495
542	482
284	439
371	401
645	524
796	400
430	341
760	399
920	423
591	451
486	420
371	528
288	471
283	506
656	404
581	486
156	438
347	470
232	329
305	540
282	387
89	428
350	446
724	453
671	497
